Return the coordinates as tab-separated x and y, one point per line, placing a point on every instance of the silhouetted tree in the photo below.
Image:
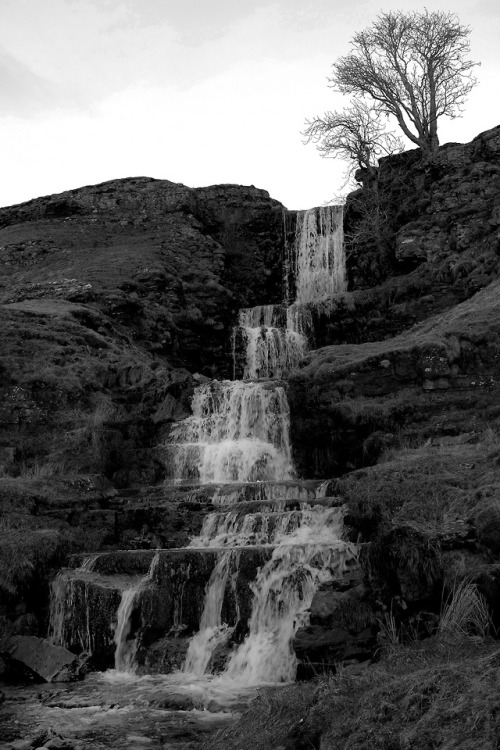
412	66
357	135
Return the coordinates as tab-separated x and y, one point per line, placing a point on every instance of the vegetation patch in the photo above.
440	694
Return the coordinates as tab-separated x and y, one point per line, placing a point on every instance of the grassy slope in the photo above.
477	320
437	695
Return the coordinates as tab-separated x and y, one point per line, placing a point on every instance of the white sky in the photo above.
194	91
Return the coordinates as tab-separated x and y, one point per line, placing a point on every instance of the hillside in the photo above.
117	300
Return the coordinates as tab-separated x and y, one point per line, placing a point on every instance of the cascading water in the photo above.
271	347
62	594
237	440
238	432
126	646
212	631
276	337
319	254
306	550
283	593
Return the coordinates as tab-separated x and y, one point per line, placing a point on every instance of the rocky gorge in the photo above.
370	394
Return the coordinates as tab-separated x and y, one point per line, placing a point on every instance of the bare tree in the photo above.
357	135
413	66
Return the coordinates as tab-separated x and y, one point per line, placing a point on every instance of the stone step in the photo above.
280	506
230	493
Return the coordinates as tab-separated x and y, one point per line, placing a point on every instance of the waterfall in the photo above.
126	644
319	254
126	647
308	551
283	593
276	337
259	559
236	529
270	352
238	432
212	631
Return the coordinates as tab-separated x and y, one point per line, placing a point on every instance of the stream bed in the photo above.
114	710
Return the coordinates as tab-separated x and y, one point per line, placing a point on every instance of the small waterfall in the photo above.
276	337
262	315
271	352
236	529
238	432
126	644
212	631
283	593
309	550
126	648
319	258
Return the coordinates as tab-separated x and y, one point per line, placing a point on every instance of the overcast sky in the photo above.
194	91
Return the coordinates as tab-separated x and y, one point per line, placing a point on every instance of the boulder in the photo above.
41	659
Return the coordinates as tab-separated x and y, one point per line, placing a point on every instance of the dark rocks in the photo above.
341	627
41	659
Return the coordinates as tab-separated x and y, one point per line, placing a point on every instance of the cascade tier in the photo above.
238	432
270	340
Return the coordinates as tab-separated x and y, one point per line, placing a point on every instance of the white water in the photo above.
283	592
319	254
238	432
260	315
309	551
271	352
236	529
212	631
126	646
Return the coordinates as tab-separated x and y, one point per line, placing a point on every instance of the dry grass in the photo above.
451	700
465	612
431	487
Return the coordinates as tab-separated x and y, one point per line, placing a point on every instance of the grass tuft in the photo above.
465	612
